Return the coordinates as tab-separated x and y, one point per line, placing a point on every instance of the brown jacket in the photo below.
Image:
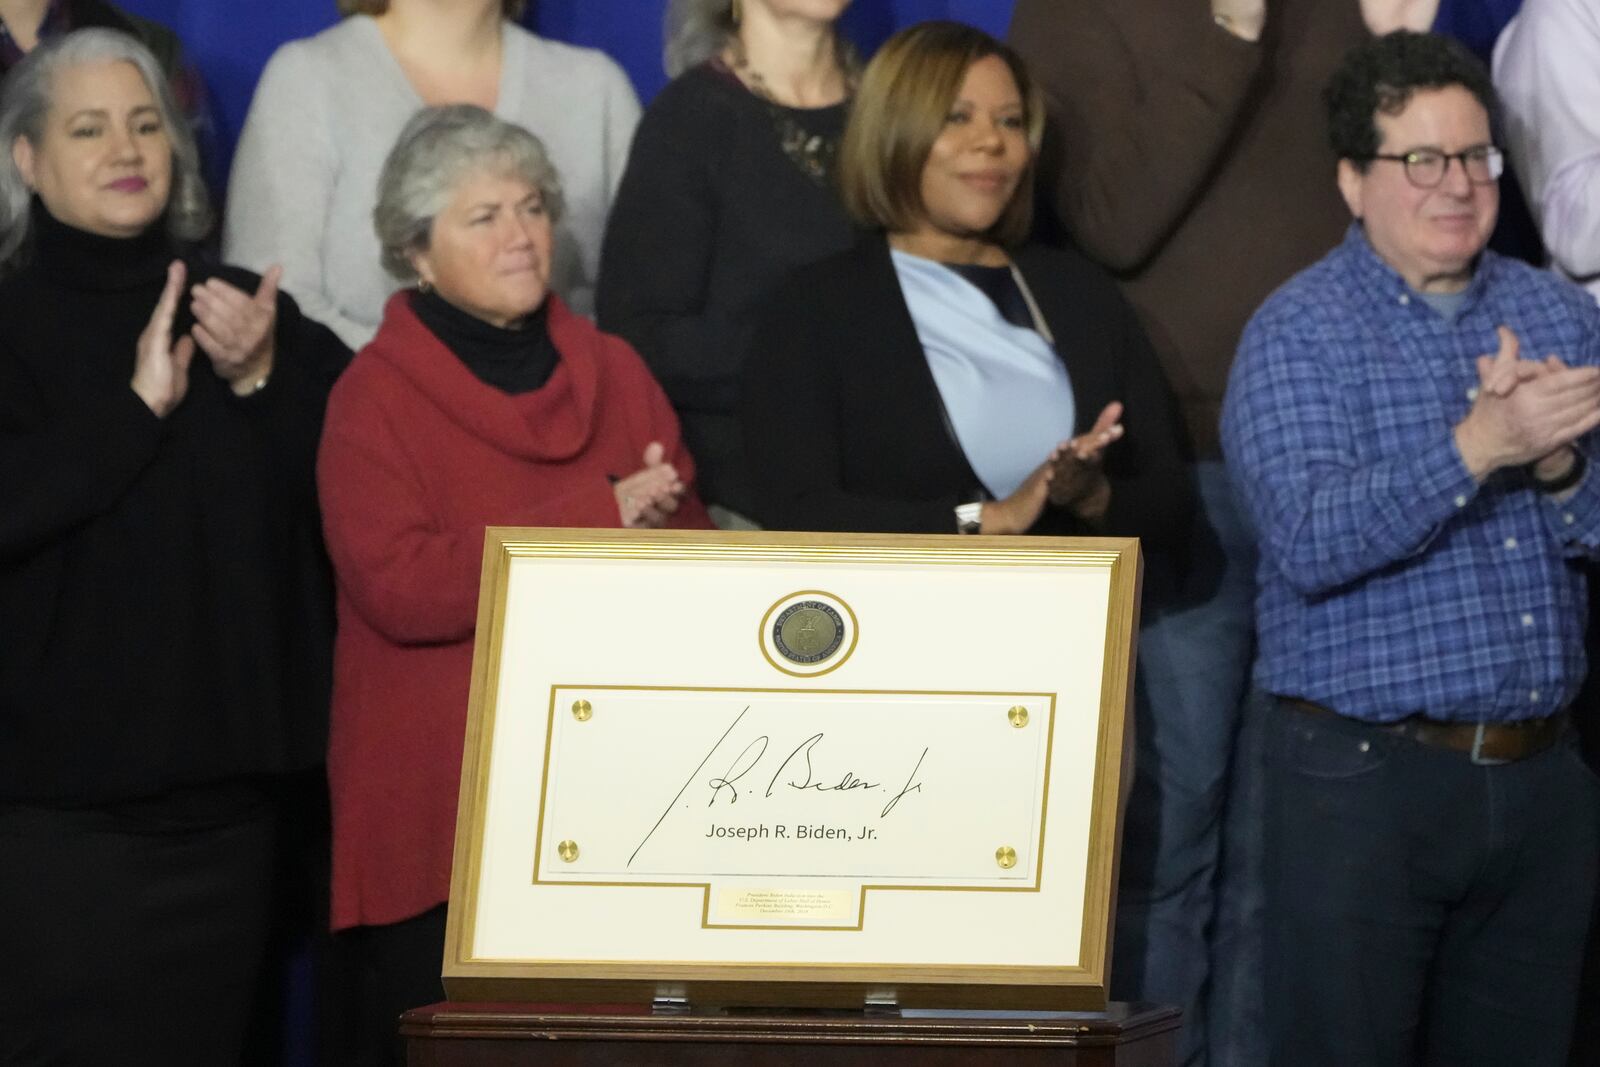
1190	163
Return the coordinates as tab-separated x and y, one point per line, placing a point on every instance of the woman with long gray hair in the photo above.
162	579
484	400
728	188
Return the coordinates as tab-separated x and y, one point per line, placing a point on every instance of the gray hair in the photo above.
437	148
26	96
694	31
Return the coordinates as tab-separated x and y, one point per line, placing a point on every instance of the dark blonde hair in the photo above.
513	9
899	110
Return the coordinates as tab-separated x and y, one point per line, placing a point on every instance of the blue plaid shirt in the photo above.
1391	583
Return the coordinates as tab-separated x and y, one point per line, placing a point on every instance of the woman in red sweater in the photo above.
481	401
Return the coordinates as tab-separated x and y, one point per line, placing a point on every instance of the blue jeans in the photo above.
1422	909
1193	666
1236	1016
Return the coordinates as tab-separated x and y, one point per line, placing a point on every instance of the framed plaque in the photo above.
793	769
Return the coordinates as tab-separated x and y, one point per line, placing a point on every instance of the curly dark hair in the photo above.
1382	74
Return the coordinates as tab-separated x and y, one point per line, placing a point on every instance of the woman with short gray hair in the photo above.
729	188
432	155
482	401
168	617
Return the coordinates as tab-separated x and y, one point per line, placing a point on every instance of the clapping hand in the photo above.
1017	513
161	368
647	498
1077	474
1501	373
235	329
1526	411
1071	478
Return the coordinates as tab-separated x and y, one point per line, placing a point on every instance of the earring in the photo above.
736	11
423	286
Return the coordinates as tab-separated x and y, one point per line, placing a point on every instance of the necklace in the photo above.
813	153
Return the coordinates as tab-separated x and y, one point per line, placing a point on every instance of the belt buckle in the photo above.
1477	749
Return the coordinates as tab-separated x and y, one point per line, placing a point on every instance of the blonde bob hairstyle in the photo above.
513	9
899	111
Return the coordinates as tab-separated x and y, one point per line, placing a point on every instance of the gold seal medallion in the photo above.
808	632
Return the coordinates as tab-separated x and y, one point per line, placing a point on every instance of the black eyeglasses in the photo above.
1426	167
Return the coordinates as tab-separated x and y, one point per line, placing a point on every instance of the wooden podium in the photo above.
501	1035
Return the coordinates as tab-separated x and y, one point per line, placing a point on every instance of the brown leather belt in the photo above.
1483	742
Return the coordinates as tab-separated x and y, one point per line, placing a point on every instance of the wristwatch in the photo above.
969	517
1571	477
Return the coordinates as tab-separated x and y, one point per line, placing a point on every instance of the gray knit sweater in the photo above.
327	111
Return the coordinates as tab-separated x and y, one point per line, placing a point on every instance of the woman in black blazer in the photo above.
942	376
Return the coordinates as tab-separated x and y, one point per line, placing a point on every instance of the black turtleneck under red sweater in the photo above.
164	590
515	360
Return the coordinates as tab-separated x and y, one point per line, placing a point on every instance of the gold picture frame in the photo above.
798	965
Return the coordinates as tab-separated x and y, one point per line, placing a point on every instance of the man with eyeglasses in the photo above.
1184	155
1411	423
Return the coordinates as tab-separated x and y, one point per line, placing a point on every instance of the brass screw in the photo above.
568	851
1018	716
1006	857
582	710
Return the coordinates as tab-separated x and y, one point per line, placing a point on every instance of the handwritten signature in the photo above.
802	776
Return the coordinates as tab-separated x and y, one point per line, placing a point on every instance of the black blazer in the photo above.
845	431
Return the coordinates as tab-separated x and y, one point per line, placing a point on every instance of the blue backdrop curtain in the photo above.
1476	23
230	40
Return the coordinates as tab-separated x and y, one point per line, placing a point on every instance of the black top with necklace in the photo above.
725	194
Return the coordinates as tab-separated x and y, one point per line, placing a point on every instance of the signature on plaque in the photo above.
802	769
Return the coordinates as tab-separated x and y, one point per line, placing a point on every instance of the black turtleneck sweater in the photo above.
164	590
513	360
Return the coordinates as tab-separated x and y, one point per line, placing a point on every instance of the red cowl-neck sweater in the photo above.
418	456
